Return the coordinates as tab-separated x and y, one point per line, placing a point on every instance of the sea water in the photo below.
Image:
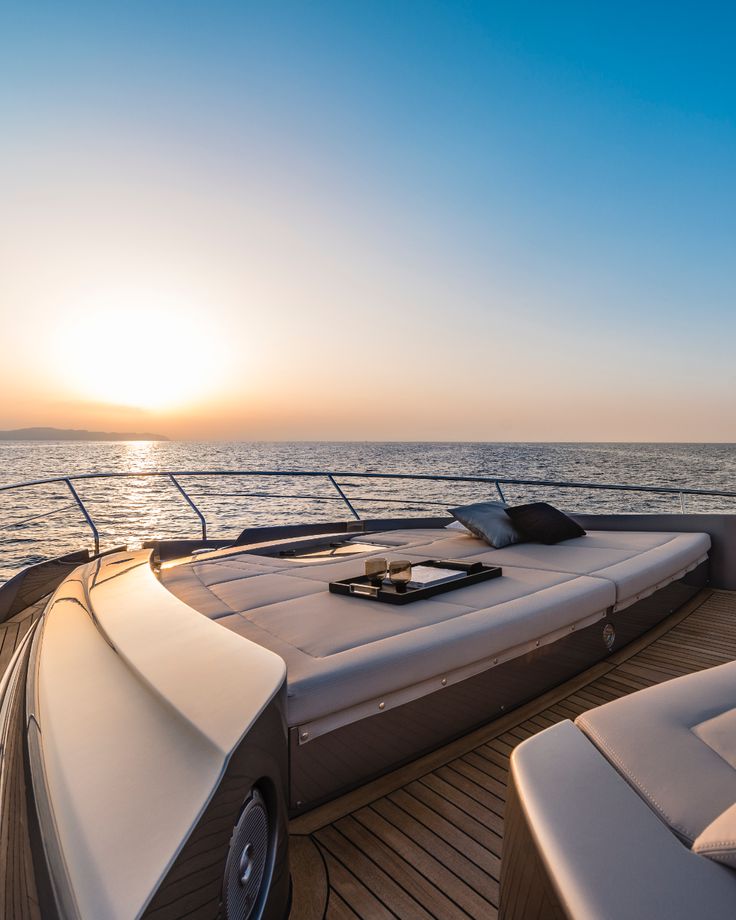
41	522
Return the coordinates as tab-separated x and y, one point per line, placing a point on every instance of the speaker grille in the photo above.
246	860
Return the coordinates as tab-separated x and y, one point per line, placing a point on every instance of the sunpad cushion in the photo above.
637	563
342	651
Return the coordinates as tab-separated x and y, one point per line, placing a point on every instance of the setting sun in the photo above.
141	352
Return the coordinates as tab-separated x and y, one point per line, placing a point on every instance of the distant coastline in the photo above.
76	434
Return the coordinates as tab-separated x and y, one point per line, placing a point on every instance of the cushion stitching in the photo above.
713	845
628	774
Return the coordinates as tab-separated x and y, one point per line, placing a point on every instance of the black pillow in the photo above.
541	523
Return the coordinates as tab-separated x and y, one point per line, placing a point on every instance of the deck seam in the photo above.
464	881
419	846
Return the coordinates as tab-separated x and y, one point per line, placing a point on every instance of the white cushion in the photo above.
342	651
637	563
718	840
674	744
643	574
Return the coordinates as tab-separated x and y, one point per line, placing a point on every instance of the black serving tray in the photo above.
361	585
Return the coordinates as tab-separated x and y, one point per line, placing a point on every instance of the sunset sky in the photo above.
369	220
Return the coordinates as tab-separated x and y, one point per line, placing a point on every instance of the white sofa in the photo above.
630	812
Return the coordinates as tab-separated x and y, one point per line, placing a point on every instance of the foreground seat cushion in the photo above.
675	743
718	840
572	819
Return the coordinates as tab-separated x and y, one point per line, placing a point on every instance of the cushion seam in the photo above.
632	778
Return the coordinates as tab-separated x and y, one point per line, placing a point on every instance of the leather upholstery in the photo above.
718	840
607	854
341	652
673	744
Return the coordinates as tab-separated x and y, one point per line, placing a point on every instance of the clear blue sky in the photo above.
537	199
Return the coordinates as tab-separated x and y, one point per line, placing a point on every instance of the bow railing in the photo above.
341	483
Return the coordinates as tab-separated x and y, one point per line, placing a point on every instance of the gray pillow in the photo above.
489	521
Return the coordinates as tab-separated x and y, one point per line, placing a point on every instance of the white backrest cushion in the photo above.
718	840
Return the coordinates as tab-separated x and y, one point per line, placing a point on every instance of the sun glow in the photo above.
143	353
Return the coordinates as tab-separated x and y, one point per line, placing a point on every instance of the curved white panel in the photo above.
139	713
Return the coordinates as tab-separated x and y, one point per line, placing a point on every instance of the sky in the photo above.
369	220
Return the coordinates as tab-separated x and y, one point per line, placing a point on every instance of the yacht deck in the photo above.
13	631
426	840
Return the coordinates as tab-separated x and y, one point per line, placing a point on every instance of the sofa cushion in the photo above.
490	522
718	840
606	854
671	743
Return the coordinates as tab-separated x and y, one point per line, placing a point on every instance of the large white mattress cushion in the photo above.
638	563
647	572
675	744
341	651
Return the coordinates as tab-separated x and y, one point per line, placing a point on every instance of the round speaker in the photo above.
248	868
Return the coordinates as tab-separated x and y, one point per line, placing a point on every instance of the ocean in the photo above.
38	523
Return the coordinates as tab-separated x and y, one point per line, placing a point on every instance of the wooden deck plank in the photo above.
494	773
437	824
384	886
445	829
460	818
351	891
465	802
456	862
443	878
369	836
311	893
489	802
337	909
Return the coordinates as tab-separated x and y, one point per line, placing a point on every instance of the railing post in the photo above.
500	492
344	497
87	517
191	504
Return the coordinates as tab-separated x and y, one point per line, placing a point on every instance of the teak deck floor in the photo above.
12	631
18	896
426	840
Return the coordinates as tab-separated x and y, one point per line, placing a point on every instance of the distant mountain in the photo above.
76	434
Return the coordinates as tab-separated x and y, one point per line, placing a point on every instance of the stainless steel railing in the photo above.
341	482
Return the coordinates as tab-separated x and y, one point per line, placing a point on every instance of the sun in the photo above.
141	352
